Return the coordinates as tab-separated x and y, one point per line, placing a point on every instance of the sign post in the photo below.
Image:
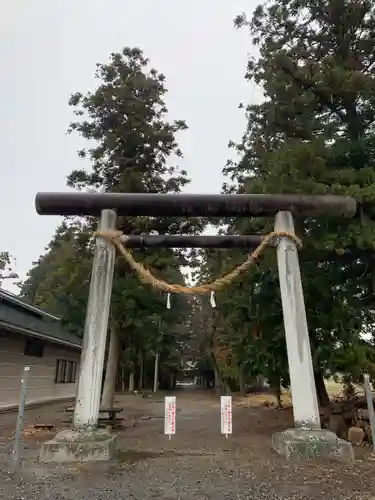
170	416
16	455
226	415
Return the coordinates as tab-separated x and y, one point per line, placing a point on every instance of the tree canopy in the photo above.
132	147
312	134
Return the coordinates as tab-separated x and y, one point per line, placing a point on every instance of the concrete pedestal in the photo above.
75	446
315	444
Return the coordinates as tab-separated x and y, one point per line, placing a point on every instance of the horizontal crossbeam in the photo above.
195	205
178	241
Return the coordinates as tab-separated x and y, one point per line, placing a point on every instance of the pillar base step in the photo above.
312	444
79	446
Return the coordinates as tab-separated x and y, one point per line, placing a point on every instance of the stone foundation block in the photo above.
74	446
316	444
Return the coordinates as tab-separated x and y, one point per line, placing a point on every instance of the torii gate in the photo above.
307	439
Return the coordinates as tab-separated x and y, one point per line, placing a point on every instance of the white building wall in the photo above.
41	382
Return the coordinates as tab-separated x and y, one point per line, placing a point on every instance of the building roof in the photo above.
15	299
17	315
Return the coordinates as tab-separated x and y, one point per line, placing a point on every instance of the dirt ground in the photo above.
197	463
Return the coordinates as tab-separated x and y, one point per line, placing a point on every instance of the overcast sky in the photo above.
48	49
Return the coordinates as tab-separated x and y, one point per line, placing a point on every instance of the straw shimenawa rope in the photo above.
117	238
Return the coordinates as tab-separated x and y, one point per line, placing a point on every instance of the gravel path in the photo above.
198	463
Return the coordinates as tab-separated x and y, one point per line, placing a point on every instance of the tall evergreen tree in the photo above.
132	148
313	134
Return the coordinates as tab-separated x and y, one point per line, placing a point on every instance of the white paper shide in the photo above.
226	415
170	416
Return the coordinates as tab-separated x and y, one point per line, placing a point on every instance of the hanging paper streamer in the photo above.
212	299
168	300
190	276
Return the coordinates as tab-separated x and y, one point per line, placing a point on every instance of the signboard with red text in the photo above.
226	415
170	416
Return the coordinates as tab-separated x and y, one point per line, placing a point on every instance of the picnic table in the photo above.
111	420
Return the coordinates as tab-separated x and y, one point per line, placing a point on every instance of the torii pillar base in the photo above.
312	444
71	446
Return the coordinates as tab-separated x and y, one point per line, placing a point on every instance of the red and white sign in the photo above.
170	416
226	415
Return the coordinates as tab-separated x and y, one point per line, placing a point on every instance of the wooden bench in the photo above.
112	420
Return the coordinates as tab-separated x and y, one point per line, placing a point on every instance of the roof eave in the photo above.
42	336
8	296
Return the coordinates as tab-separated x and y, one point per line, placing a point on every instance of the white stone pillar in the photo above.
305	403
95	331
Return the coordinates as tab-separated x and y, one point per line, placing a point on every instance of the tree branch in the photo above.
290	69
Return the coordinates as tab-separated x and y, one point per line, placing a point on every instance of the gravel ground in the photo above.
198	463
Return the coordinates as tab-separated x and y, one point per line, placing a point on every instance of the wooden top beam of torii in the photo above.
196	205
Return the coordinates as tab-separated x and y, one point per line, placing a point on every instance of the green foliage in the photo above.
7	267
59	281
132	147
354	360
313	134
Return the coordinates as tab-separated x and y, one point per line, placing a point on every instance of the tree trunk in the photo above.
241	380
217	380
156	372
260	381
224	388
111	370
278	397
123	385
141	368
172	378
321	390
131	380
274	382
